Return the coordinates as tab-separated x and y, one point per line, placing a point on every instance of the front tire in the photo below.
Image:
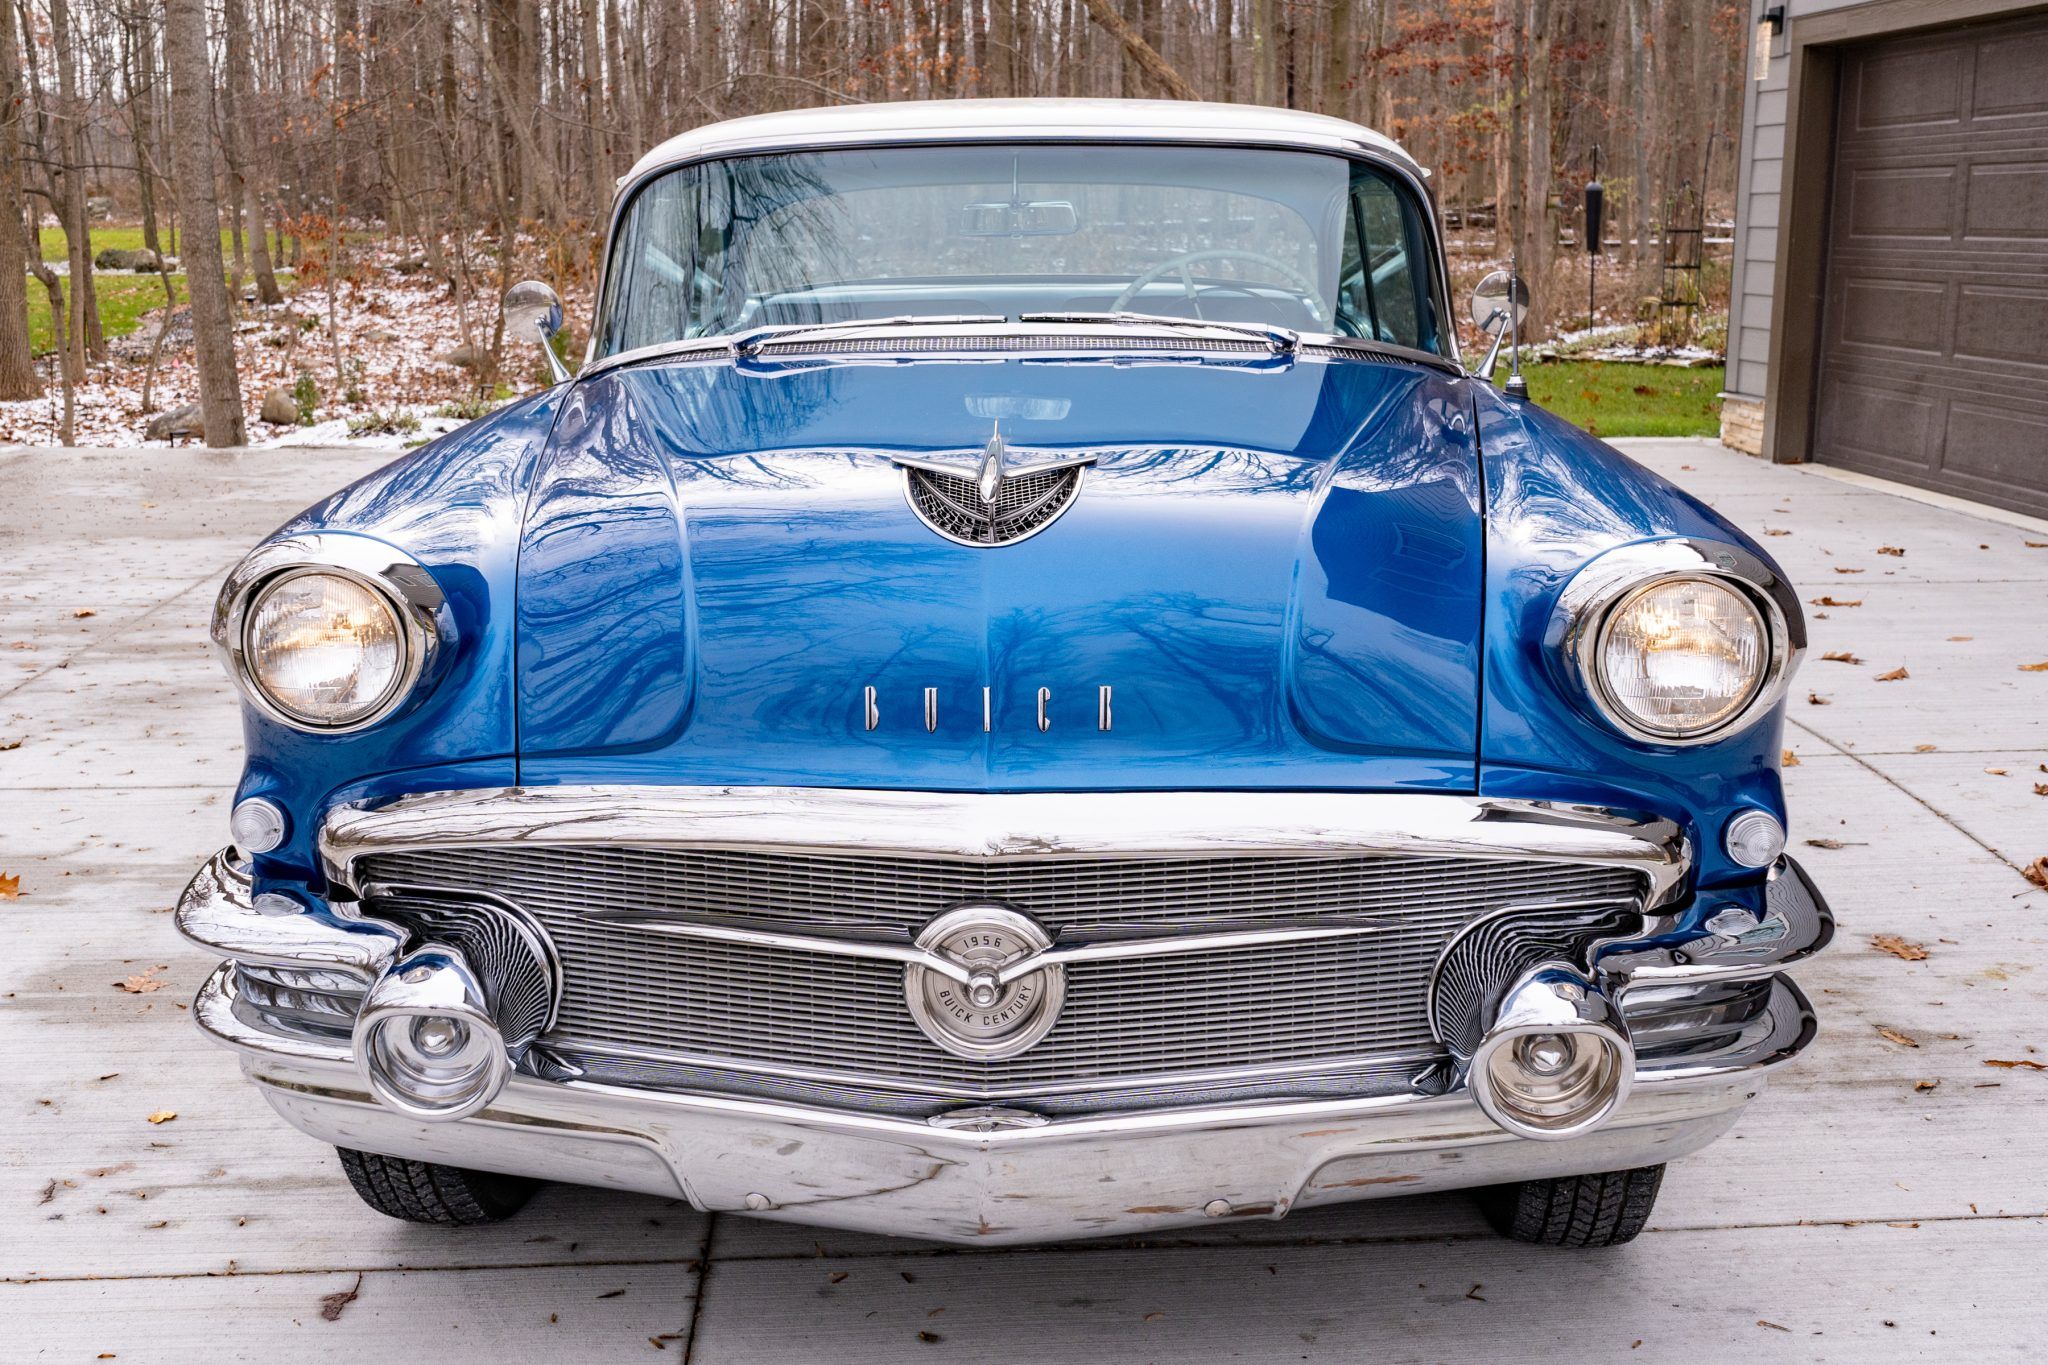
1602	1210
426	1192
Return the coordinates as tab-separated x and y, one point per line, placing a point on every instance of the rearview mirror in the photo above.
534	310
1036	218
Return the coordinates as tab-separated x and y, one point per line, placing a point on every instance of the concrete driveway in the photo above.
1885	1199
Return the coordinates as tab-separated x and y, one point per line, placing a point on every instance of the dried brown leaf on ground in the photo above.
1841	656
1924	1086
1827	601
2037	872
2041	667
1788	759
2016	1065
2041	789
1770	531
1898	947
1923	748
2037	545
1836	843
84	612
163	1116
1893	550
1996	772
1892	1035
1840	569
1898	674
10	887
1959	639
143	982
1816	699
1774	1326
332	1304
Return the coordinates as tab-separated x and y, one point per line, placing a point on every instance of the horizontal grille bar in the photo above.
772	1009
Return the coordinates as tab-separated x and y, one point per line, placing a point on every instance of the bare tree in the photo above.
18	377
213	335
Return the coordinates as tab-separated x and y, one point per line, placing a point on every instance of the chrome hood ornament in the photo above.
992	473
992	502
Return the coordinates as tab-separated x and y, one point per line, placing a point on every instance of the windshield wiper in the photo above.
1282	340
750	342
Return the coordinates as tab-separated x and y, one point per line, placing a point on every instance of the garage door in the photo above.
1934	348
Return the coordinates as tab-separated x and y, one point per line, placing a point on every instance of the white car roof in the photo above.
1012	120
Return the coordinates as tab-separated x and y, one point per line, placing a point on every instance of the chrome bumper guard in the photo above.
989	1175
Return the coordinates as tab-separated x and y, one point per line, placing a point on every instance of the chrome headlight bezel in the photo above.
400	582
1590	600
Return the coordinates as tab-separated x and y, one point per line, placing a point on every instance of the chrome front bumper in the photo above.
1064	1178
986	1175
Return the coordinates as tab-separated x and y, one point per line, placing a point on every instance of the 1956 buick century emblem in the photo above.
997	501
985	1017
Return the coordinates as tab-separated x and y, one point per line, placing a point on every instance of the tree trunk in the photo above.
213	335
1141	53
241	130
18	378
1539	233
85	313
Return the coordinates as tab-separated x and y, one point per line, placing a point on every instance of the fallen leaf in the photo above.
1473	1293
2015	1065
1841	656
142	983
1891	550
611	1293
1958	639
163	1116
7	744
838	1276
10	887
1924	1086
2037	545
929	1337
1769	531
2041	789
1923	748
332	1304
1832	843
84	612
1892	1035
1154	1317
1898	674
1996	772
2037	872
1816	699
1898	947
2041	667
1774	1326
1840	569
1837	602
1644	391
1788	759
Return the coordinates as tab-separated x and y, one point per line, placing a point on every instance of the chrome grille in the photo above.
630	989
1024	503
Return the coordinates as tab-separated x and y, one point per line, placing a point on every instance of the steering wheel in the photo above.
1179	265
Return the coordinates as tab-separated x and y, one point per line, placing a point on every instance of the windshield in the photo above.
1292	239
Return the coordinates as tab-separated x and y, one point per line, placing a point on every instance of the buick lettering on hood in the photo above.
1022	691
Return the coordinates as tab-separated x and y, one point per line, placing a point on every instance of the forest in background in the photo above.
445	148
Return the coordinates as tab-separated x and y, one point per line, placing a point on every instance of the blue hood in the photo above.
1276	566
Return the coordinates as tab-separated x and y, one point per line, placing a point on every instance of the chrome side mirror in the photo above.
1499	303
534	310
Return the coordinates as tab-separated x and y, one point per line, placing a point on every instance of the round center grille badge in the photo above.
982	1017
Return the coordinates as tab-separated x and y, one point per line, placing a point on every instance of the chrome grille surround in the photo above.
1025	502
1355	898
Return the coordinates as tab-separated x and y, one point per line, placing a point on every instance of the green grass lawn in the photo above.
1613	399
123	300
128	238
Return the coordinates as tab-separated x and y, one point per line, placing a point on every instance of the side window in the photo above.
1385	292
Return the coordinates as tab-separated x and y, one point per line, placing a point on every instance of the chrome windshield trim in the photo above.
1281	340
1012	826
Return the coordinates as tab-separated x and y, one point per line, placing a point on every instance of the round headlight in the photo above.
324	649
1681	656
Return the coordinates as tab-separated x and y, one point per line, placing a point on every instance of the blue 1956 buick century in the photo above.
1022	692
